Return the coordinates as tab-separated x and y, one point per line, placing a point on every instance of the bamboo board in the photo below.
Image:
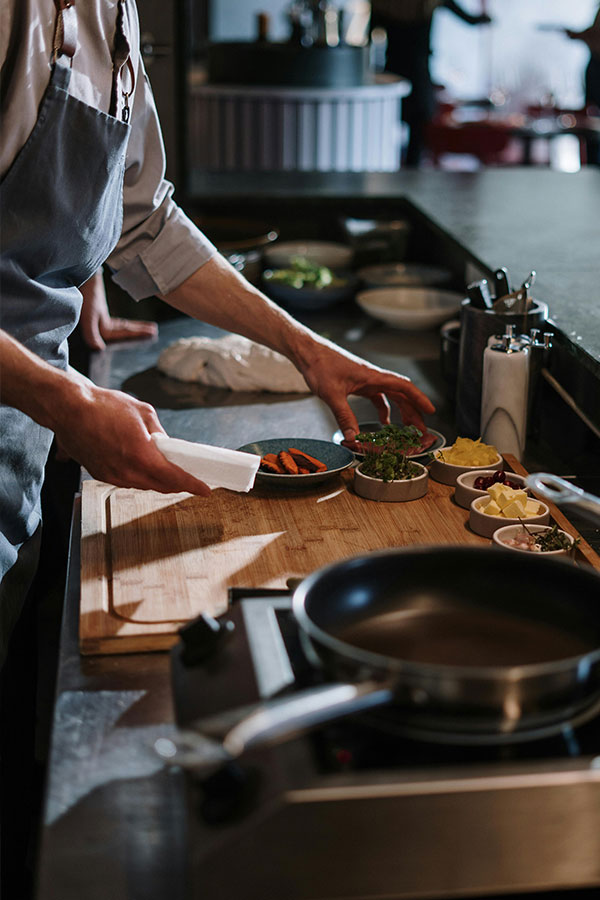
150	562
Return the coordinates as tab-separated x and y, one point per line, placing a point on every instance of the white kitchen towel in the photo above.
232	362
215	466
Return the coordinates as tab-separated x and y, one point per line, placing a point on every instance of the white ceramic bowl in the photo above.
410	308
321	253
391	491
398	274
501	535
485	525
465	493
446	473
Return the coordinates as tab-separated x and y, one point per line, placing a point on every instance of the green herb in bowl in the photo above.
385	452
304	273
546	539
554	539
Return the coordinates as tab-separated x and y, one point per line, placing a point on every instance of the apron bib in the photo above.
61	204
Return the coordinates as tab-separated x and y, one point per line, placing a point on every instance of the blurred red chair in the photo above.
488	142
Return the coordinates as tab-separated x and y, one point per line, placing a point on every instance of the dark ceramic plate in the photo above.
440	440
336	459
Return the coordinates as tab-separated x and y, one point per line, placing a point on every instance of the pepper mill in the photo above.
504	394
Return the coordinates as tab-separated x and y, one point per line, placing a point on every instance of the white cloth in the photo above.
215	466
231	362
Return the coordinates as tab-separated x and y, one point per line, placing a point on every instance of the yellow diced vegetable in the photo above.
465	452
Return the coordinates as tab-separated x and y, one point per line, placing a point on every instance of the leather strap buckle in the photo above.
65	31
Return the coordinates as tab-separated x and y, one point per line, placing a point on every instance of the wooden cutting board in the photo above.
150	562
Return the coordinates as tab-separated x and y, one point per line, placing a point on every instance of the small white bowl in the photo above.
465	493
321	253
501	535
410	308
391	491
446	473
485	525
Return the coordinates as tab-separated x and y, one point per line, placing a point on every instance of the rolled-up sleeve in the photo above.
159	245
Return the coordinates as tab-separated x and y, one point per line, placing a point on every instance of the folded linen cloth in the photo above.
232	362
215	466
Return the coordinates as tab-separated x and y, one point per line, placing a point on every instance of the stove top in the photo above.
368	806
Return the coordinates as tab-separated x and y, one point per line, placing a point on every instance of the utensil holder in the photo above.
477	325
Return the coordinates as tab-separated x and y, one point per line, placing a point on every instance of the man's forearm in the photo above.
32	385
106	431
217	294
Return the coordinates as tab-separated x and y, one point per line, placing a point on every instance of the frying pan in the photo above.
478	640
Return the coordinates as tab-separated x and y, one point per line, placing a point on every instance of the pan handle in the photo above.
273	722
559	491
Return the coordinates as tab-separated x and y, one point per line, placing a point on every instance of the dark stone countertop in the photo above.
521	218
114	824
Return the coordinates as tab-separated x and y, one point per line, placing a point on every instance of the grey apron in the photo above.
61	204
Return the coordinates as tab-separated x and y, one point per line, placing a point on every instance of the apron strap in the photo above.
65	31
121	58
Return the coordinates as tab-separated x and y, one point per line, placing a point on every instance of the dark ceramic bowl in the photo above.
309	299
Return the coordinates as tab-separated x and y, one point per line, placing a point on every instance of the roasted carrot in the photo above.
306	461
302	471
287	462
270	463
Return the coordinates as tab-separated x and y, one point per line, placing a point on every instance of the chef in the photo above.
82	172
82	185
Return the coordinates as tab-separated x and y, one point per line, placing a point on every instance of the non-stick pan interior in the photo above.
459	607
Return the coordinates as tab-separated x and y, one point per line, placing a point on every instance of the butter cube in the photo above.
515	510
503	495
491	508
516	496
532	508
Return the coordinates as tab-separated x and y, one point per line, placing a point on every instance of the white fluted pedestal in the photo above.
253	129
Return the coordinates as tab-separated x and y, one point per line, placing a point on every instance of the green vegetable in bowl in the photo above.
541	541
553	540
304	273
393	437
387	458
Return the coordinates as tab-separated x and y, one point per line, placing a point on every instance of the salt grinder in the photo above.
504	395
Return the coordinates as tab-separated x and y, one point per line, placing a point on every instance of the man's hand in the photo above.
112	440
98	327
216	293
333	374
108	432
